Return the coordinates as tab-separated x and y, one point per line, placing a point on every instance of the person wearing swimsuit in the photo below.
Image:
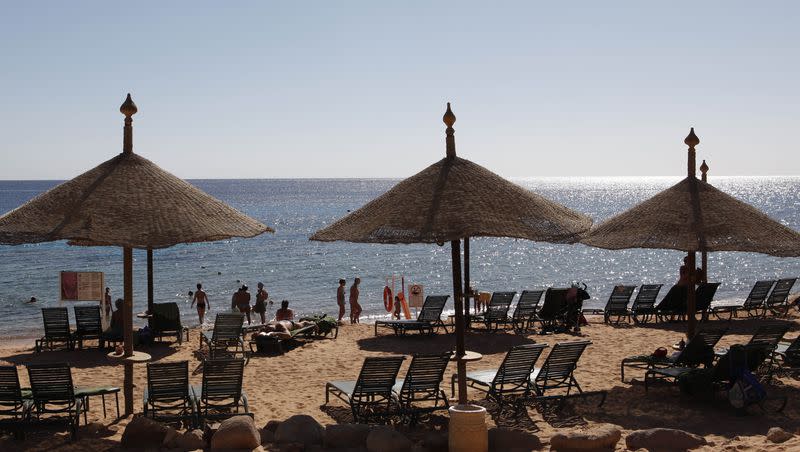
202	302
340	299
261	303
355	308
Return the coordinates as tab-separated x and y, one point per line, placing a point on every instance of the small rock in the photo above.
169	438
272	426
267	436
293	447
300	428
346	435
385	439
434	442
604	437
778	435
238	432
191	440
143	433
502	439
663	439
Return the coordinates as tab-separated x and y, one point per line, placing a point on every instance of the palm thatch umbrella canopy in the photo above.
130	202
454	199
694	216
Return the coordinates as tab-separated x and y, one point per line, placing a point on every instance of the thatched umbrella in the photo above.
454	199
130	202
694	216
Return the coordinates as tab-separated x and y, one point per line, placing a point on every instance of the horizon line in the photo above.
401	178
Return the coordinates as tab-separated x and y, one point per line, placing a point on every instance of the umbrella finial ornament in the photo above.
449	119
691	140
703	171
128	108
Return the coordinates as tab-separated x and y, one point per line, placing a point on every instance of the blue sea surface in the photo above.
306	273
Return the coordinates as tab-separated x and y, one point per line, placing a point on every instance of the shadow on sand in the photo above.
89	357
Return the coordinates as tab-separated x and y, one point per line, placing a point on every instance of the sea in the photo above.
306	273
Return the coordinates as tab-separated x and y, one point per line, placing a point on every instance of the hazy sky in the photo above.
358	89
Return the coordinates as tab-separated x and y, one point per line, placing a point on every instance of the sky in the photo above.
357	89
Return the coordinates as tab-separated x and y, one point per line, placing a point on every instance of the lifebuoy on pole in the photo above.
388	299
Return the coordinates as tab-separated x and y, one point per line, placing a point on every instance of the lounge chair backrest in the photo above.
704	295
758	293
769	335
792	353
562	360
712	335
222	379
528	303
499	305
378	375
646	297
228	326
51	383
739	356
87	319
56	322
10	391
166	317
619	299
555	301
168	382
674	300
700	349
424	375
432	308
780	293
517	365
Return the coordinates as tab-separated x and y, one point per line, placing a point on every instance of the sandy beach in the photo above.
293	383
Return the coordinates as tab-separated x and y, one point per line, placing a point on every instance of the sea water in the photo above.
306	273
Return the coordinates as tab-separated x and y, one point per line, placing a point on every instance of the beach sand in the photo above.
294	383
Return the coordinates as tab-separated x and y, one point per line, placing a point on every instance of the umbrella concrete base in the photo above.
467	431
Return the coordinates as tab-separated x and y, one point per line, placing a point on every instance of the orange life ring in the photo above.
388	300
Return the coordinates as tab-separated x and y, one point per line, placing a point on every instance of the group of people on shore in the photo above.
355	308
241	301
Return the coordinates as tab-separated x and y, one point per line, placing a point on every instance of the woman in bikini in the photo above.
202	302
261	303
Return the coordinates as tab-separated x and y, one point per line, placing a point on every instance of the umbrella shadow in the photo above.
631	408
86	358
736	326
484	343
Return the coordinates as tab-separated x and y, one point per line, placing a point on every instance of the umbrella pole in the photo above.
127	324
149	280
466	281
690	298
461	368
704	255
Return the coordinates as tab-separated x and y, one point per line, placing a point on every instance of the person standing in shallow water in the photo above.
202	302
340	298
107	303
261	303
355	308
